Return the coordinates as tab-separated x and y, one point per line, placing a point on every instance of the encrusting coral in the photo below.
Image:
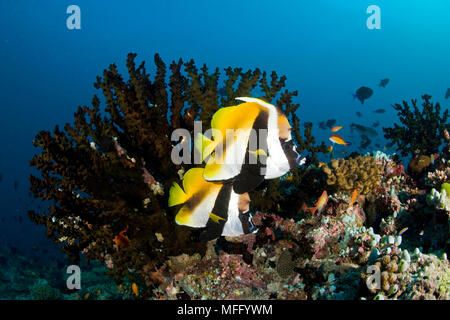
107	175
345	175
417	165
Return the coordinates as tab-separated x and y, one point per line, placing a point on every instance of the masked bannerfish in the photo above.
259	147
212	205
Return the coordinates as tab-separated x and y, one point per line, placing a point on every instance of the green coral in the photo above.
439	200
420	131
446	187
345	175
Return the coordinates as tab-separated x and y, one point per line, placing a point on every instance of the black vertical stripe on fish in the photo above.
290	152
251	176
196	200
214	229
253	168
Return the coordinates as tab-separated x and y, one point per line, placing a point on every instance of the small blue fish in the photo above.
403	231
421	233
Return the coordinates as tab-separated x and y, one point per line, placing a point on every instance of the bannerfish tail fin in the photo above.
203	145
177	195
197	196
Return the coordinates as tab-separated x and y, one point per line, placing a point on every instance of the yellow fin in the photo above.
177	195
235	117
198	198
204	145
215	217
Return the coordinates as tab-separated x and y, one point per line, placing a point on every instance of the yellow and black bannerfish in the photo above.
198	197
269	154
209	204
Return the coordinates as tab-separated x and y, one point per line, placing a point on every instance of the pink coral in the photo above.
249	240
325	237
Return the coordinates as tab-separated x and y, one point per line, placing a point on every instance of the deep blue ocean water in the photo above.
324	48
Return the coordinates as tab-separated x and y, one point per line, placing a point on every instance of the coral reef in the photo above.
421	131
328	255
438	177
333	254
107	175
345	175
41	290
406	276
418	164
23	277
439	200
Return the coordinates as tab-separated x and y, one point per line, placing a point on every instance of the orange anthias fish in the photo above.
135	289
352	201
320	204
330	148
337	128
121	239
338	139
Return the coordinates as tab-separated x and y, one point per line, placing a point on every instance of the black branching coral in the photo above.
421	131
107	175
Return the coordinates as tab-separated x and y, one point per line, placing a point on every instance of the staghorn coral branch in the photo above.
419	131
